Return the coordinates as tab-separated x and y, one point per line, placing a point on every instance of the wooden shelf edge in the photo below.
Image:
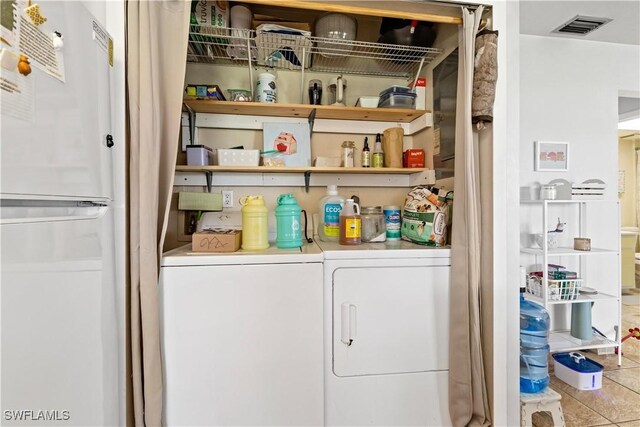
299	169
303	111
358	10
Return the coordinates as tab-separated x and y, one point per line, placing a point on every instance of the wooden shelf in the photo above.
298	169
397	115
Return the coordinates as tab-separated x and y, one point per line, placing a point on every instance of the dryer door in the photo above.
390	320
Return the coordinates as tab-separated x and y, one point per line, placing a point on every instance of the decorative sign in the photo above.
551	156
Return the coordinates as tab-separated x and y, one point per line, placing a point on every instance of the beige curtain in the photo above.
468	397
157	34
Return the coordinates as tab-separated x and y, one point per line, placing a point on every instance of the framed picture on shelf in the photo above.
551	156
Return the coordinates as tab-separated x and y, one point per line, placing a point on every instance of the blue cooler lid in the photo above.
578	362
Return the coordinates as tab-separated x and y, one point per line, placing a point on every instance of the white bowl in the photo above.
339	27
552	240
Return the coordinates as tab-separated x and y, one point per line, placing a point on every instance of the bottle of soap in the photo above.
377	159
329	213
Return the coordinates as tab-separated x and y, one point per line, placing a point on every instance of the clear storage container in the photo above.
398	100
373	224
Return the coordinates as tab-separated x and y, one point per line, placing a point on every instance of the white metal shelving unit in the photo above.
562	340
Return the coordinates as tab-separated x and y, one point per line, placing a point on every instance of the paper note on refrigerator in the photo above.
17	95
38	47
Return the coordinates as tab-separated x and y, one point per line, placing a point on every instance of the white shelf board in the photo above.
539	202
560	341
580	298
567	251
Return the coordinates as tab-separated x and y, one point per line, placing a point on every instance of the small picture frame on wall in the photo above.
551	156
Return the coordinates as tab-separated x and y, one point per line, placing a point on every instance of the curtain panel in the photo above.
157	34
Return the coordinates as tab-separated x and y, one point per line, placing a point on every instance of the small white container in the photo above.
229	157
578	371
548	192
266	90
368	101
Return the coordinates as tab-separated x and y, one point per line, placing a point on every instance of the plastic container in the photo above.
373	224
578	371
350	223
330	207
395	89
393	221
398	100
230	157
239	95
368	101
289	230
534	347
199	155
255	233
266	88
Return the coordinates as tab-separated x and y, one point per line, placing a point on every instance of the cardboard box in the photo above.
421	93
302	26
413	158
216	240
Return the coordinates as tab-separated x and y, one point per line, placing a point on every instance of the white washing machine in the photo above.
386	331
242	337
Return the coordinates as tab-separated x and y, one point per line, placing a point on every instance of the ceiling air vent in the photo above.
581	25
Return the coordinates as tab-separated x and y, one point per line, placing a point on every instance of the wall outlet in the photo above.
227	199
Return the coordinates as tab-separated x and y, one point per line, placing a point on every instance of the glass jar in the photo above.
548	192
348	150
373	224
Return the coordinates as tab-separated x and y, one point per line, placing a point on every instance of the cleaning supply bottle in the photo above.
255	234
350	223
534	346
366	154
289	230
329	213
377	158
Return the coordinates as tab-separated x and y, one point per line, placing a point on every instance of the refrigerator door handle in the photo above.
92	213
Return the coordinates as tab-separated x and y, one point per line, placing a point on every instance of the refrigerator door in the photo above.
60	331
63	152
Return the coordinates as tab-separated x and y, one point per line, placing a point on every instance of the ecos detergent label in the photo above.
332	219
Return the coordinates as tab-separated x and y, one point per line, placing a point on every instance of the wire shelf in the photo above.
229	46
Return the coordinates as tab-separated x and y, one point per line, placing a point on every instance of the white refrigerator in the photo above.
62	349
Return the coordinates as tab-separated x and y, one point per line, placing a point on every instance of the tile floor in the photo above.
618	401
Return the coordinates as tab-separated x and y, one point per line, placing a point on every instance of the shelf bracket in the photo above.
312	120
209	176
307	179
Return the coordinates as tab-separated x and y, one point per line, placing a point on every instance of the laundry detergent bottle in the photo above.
350	224
329	213
255	232
289	230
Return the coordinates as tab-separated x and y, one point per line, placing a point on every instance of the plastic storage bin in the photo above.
578	371
231	157
395	89
199	155
398	100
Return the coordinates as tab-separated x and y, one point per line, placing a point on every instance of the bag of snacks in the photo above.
426	216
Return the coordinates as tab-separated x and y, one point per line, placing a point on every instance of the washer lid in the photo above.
386	250
183	256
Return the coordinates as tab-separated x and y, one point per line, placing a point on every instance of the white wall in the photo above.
569	92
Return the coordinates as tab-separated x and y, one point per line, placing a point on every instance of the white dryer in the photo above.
386	314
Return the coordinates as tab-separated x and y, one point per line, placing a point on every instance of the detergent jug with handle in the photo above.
350	223
255	233
289	229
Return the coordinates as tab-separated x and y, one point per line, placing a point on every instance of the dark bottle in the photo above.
366	154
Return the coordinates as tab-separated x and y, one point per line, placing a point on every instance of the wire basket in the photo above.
557	290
